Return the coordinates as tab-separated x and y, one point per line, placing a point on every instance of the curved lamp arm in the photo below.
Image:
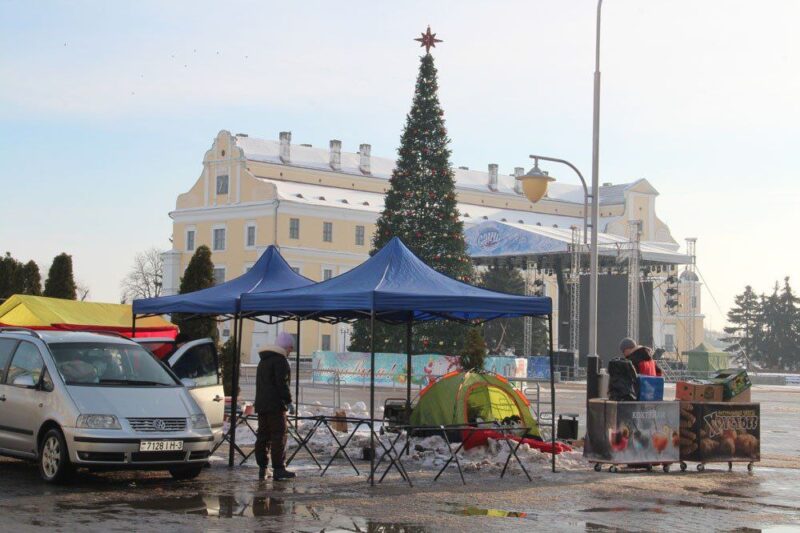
586	194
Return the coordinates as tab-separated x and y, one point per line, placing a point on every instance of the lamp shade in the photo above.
534	184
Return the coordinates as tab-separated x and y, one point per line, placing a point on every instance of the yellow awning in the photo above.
39	312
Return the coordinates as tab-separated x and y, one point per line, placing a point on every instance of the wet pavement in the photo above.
574	499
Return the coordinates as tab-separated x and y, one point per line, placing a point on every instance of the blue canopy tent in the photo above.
270	273
395	286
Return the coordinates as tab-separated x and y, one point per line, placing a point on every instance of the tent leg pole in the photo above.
133	327
409	373
235	391
297	376
372	398
552	391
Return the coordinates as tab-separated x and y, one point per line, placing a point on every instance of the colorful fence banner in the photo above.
390	368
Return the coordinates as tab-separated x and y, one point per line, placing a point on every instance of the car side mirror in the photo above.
25	380
189	383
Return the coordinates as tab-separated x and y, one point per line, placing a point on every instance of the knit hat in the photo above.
626	344
285	341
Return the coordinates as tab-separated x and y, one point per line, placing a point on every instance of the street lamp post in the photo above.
535	183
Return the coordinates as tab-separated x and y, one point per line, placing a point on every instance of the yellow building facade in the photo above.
320	205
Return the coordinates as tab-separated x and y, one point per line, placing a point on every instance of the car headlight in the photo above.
98	422
199	422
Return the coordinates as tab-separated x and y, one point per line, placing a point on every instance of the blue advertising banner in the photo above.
495	238
539	367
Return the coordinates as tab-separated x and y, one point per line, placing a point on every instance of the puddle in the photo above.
698	505
240	506
724	494
655	510
499	513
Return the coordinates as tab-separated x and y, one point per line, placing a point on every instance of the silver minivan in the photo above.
74	399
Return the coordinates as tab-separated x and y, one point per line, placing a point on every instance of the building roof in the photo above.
471	214
303	156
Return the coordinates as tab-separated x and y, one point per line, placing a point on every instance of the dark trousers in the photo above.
271	436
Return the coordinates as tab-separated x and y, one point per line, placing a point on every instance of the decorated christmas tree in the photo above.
420	208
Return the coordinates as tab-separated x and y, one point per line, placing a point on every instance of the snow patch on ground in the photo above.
427	453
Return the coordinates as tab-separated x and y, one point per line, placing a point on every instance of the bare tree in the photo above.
144	278
81	291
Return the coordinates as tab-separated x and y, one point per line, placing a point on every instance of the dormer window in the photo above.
222	184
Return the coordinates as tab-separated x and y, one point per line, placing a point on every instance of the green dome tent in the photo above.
462	397
704	359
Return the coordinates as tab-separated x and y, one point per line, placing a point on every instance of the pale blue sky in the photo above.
106	109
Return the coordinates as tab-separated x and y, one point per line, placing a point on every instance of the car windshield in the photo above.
110	364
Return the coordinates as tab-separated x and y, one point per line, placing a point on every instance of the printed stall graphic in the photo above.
632	432
720	432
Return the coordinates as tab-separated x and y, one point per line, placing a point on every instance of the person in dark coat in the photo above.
273	398
640	356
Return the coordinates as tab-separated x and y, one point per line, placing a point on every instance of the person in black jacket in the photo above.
273	398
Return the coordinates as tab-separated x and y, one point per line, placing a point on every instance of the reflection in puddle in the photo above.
475	511
248	506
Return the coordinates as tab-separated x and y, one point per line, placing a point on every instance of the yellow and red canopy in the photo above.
39	312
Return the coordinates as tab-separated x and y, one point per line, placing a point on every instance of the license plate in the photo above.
161	446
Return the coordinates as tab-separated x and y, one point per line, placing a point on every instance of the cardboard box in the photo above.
734	381
684	391
651	389
698	391
720	432
742	397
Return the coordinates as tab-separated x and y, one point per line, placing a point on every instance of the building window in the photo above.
326	343
219	239
219	275
327	231
250	236
327	273
222	184
190	240
294	228
359	235
294	342
694	302
669	342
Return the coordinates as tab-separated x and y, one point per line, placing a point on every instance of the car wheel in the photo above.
186	472
54	463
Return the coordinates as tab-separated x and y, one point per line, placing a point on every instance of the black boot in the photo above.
281	474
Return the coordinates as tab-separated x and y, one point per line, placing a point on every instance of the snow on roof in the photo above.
268	151
323	195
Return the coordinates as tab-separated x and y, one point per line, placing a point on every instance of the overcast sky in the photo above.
106	110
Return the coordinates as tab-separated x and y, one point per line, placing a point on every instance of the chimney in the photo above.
286	144
518	171
336	154
493	176
364	151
